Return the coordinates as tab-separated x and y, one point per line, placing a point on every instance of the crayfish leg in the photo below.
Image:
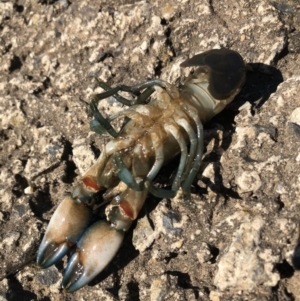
186	185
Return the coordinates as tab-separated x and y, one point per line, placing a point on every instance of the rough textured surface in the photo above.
238	241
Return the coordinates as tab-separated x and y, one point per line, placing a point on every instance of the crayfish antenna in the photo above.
66	226
96	248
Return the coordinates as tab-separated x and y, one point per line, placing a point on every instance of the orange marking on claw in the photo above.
127	210
90	183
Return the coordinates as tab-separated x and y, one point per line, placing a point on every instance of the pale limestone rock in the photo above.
249	181
246	265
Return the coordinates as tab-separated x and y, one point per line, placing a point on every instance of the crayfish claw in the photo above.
50	253
96	248
66	226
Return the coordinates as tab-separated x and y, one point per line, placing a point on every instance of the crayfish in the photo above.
155	131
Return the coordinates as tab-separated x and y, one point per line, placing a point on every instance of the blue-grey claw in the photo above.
67	224
97	247
50	253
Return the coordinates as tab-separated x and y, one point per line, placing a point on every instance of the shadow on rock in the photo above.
296	257
261	81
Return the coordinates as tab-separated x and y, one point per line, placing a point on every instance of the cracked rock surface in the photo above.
238	240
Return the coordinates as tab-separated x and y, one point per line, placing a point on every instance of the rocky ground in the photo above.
239	238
